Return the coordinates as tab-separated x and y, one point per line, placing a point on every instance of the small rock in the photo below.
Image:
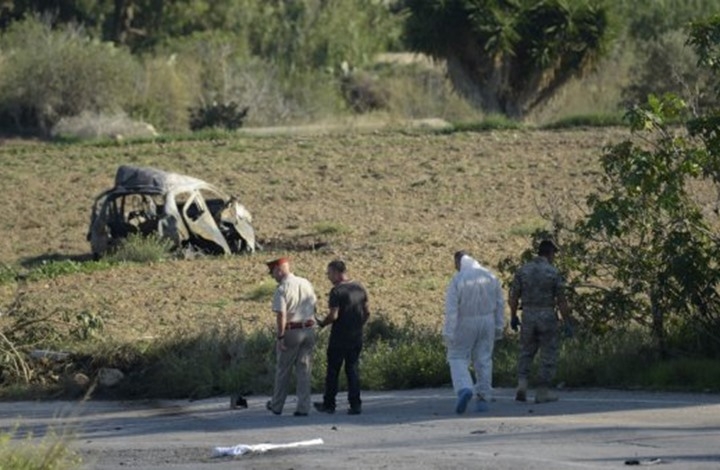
108	377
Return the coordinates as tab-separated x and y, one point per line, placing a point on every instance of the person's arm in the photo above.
499	310
451	311
366	311
330	317
280	309
280	321
514	302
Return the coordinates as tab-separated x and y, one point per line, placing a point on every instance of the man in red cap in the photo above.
294	304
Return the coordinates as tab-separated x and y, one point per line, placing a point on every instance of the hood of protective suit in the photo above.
467	262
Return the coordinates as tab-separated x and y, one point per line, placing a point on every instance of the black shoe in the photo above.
323	408
269	408
299	413
355	410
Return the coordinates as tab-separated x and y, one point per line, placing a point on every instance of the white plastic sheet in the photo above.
242	449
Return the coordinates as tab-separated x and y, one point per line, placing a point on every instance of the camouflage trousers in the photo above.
539	330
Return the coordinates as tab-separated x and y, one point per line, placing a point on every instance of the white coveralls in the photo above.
474	319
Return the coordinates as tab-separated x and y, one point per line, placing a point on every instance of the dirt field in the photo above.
394	204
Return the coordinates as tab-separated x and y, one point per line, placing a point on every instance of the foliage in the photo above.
225	115
588	120
163	94
489	123
668	65
25	329
509	57
646	252
308	33
263	291
330	228
49	74
52	452
649	20
48	269
142	249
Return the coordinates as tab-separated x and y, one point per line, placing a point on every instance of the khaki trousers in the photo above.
299	344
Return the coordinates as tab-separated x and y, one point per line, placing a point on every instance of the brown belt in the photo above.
294	325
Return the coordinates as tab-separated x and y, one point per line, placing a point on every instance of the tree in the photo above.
648	251
509	56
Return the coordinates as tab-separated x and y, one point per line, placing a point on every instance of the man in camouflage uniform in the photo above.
541	288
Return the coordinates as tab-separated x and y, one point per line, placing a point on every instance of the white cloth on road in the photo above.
474	319
242	449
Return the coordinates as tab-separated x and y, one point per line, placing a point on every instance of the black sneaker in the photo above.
299	413
322	408
355	410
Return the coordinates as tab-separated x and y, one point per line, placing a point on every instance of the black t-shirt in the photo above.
350	298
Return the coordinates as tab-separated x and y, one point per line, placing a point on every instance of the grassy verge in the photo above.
396	356
51	452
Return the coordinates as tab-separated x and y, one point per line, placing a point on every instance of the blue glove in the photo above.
568	329
515	323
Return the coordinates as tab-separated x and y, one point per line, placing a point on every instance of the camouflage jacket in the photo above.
538	284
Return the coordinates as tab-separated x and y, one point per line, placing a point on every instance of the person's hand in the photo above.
448	340
515	323
281	344
568	329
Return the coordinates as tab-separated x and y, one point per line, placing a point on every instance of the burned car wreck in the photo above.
189	212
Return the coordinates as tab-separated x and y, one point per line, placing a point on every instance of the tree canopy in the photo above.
646	252
509	56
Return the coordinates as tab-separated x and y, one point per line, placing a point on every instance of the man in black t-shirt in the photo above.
348	312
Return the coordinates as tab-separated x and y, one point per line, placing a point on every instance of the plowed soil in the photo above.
394	204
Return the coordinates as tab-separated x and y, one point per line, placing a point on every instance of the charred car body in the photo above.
186	210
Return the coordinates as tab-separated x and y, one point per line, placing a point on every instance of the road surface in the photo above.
586	429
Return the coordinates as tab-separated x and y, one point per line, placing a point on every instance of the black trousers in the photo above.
336	356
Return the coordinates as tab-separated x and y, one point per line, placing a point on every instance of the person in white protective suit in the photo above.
474	320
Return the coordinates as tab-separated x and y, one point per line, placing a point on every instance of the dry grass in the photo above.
405	202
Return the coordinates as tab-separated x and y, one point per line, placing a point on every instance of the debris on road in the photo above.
242	449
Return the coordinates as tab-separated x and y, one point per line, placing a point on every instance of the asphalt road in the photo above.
586	429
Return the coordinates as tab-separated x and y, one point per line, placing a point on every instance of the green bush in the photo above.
48	74
48	269
164	93
419	89
667	64
229	116
141	249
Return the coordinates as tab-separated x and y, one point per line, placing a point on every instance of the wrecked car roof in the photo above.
153	181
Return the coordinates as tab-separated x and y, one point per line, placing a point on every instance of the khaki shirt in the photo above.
538	283
296	297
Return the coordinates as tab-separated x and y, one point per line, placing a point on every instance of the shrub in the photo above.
50	74
416	88
139	249
229	116
668	65
164	93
